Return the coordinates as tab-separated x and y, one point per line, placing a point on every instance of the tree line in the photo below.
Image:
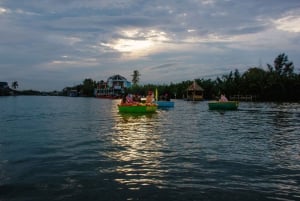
278	82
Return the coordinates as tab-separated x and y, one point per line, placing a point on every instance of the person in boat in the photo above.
167	97
223	98
126	98
123	100
136	98
149	97
129	98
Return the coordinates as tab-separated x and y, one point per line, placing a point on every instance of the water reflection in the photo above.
138	148
285	135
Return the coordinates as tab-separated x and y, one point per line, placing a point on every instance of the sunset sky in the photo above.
51	44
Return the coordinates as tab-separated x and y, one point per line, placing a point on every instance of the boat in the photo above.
219	105
164	103
137	108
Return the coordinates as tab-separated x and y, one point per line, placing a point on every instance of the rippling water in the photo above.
62	148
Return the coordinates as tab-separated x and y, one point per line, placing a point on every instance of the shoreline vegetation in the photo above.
279	83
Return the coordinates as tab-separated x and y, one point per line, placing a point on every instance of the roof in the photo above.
117	77
195	87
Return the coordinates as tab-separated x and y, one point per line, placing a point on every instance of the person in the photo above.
123	100
129	98
223	98
149	98
126	98
136	98
167	98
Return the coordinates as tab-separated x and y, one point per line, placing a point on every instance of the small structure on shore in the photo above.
194	92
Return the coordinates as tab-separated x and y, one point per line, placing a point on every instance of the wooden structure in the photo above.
194	92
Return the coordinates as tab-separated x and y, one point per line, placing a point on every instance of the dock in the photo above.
243	98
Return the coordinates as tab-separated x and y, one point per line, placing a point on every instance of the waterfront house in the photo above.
194	92
114	87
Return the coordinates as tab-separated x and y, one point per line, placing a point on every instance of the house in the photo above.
194	92
114	87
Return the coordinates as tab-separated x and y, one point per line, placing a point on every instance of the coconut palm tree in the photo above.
14	85
135	77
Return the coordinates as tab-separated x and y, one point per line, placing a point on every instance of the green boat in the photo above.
140	108
228	105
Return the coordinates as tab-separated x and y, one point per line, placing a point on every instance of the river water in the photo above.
63	148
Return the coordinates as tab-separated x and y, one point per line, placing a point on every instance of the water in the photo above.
63	148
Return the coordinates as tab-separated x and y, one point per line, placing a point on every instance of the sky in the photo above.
50	44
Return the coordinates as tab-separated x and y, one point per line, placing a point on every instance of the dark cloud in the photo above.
65	41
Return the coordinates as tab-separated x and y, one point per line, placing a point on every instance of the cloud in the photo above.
290	22
4	11
167	41
163	66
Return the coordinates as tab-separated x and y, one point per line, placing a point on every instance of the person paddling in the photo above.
149	98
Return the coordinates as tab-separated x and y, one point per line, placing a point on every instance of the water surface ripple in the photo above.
63	148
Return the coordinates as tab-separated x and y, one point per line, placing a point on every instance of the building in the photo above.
114	87
194	92
4	89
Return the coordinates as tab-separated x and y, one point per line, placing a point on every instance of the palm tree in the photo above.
14	85
282	66
135	77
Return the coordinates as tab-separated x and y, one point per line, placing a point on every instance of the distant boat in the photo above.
163	103
228	105
108	96
137	108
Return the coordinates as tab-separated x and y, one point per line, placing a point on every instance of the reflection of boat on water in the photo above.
137	108
138	149
228	105
137	116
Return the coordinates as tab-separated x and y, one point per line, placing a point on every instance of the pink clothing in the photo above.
129	99
223	98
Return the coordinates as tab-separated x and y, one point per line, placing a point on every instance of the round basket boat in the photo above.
137	108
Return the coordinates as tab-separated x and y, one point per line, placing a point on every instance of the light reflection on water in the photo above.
139	147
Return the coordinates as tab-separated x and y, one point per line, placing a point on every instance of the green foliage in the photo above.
282	66
277	83
88	87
